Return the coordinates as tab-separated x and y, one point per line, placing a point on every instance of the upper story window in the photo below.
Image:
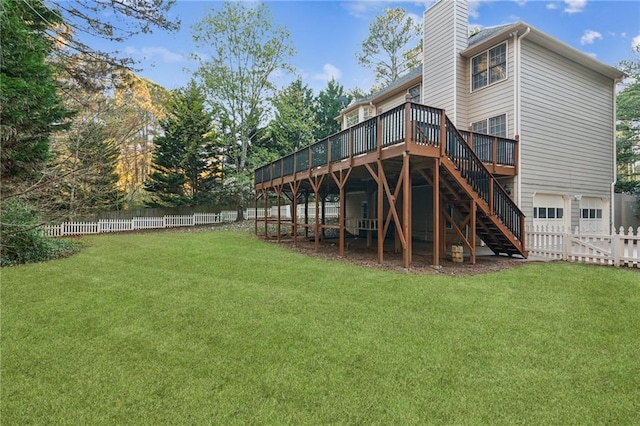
495	126
367	113
489	67
414	94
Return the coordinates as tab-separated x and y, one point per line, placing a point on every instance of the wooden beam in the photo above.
436	212
473	232
406	209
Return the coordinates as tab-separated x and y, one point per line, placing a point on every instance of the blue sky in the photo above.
326	34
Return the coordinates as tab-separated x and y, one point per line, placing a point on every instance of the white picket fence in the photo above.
620	248
120	225
137	223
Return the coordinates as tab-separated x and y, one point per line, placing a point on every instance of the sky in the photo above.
327	34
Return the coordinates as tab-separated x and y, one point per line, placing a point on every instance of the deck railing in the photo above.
469	151
386	129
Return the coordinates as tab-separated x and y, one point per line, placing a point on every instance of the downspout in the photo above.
612	225
516	109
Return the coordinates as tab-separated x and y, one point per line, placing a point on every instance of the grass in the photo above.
219	328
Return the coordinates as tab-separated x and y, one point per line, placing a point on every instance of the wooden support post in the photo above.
255	217
323	215
316	228
266	213
294	210
436	212
341	219
380	214
406	210
473	231
306	214
278	225
369	214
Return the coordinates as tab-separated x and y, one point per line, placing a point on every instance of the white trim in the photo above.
518	119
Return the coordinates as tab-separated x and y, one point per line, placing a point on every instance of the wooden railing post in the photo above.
408	134
494	154
351	146
443	132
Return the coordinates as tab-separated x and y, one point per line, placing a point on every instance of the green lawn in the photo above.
221	328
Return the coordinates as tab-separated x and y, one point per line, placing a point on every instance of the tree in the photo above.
628	131
31	110
186	158
243	51
328	105
85	165
294	124
392	47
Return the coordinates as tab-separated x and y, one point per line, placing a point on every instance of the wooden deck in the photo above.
388	155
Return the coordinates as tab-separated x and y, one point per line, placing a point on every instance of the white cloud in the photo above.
575	6
593	55
473	9
590	36
520	3
360	9
328	72
165	54
149	52
552	6
635	44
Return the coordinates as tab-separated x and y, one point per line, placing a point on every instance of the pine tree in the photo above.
186	159
328	105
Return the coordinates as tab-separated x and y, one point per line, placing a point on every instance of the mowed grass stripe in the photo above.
219	328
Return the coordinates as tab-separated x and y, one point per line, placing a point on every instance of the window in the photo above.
368	113
495	126
414	94
352	118
548	212
489	67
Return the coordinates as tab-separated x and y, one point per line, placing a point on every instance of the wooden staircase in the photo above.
499	222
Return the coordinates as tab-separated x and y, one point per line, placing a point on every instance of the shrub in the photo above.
21	239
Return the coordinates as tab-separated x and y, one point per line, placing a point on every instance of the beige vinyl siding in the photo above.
441	53
462	73
391	103
495	99
566	128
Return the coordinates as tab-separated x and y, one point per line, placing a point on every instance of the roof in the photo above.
489	36
485	33
406	78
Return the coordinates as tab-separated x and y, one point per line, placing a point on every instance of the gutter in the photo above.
516	109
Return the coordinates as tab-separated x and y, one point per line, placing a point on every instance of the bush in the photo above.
21	239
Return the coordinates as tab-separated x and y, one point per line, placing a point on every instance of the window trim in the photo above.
486	52
486	122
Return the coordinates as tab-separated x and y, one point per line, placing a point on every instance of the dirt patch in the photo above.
357	253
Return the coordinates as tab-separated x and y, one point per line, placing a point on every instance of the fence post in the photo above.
164	221
615	246
566	243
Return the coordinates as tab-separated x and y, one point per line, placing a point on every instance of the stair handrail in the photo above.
493	188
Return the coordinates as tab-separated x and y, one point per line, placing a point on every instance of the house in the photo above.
497	130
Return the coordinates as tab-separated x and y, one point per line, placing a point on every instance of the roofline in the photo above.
550	43
383	94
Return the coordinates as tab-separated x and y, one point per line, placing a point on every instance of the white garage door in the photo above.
549	210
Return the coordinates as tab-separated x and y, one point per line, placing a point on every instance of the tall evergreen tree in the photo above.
30	109
294	124
328	104
628	130
186	159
